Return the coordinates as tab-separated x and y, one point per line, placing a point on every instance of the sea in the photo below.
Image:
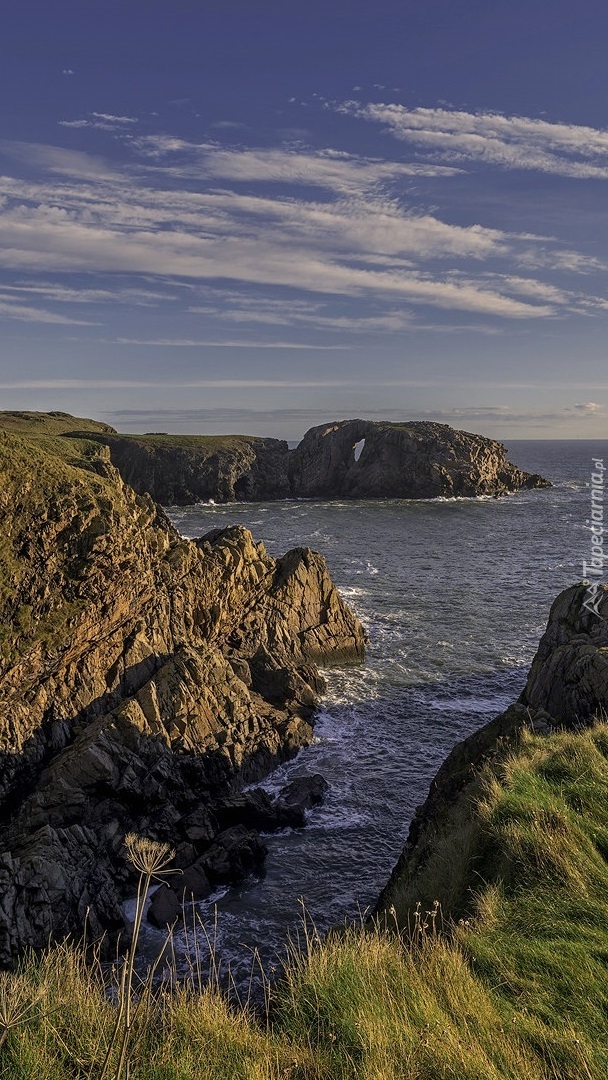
454	595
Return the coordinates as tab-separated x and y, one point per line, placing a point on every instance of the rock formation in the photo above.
183	469
567	686
143	679
354	459
401	461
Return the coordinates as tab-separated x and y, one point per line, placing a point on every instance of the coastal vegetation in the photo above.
514	987
144	679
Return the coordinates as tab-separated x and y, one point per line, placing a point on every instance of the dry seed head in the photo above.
17	999
148	856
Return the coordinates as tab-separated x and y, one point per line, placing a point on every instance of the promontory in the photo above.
353	459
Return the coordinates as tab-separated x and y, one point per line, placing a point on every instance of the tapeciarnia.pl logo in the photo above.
595	568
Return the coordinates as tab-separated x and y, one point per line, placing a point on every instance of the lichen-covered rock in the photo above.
122	706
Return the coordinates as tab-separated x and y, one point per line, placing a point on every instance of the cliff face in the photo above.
567	686
142	679
401	461
178	470
356	459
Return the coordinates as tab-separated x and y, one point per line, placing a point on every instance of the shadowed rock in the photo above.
355	459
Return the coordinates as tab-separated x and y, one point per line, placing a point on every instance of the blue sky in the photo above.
258	216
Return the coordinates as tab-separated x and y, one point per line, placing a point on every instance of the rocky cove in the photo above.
147	679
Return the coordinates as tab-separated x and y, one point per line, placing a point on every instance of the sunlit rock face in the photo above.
143	678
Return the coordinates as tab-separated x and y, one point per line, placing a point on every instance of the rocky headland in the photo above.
353	459
566	689
144	680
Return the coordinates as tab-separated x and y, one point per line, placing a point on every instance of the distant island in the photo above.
353	459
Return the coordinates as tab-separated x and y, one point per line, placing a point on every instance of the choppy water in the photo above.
454	595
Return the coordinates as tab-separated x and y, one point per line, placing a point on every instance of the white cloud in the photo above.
101	121
331	169
357	242
64	295
115	119
56	159
10	308
510	142
190	343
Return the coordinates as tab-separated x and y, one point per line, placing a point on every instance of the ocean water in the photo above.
454	595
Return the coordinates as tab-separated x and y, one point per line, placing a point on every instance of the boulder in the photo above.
165	907
233	854
304	792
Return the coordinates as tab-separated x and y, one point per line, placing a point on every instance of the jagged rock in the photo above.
256	810
122	702
304	792
233	854
415	460
569	674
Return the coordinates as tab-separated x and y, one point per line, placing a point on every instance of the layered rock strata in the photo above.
143	679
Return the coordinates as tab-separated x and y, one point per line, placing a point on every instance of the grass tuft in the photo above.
514	988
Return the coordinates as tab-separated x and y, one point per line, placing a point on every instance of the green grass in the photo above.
34	424
515	988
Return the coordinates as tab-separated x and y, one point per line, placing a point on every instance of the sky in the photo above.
256	216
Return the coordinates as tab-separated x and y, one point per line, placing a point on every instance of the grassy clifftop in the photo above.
515	988
48	423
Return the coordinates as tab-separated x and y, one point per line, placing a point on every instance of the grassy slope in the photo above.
48	423
50	486
516	989
36	424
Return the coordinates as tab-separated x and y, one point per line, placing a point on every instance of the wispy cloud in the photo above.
315	247
102	121
192	343
12	307
165	217
334	170
77	164
510	142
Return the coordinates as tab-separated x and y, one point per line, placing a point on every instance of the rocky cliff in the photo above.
183	469
567	687
359	459
143	679
356	459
